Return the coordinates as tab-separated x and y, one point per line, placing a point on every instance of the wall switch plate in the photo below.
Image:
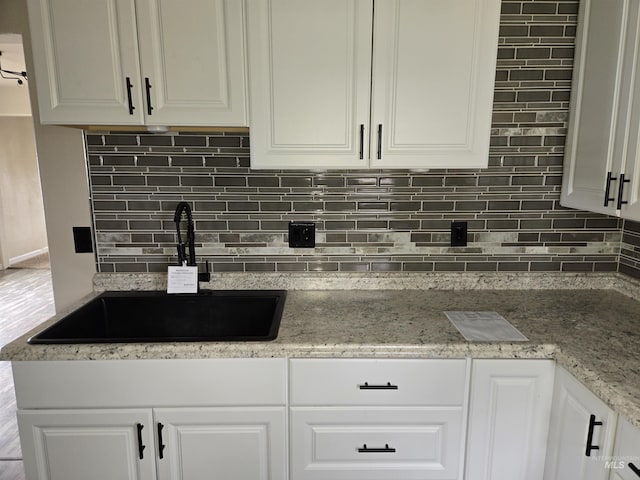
458	234
302	234
82	241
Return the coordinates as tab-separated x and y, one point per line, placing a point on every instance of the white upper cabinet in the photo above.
339	84
433	77
86	61
602	161
309	82
135	62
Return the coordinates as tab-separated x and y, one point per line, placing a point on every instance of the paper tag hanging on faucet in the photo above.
182	280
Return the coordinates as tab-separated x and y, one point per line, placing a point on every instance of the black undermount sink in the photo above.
218	315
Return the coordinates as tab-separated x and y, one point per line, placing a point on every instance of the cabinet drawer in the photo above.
377	382
144	383
375	443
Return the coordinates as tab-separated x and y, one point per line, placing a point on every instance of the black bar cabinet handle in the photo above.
361	142
129	86
161	444
147	86
634	469
386	449
380	142
592	424
621	191
388	386
141	447
607	189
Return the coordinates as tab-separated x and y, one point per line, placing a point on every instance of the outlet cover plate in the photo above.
458	234
302	234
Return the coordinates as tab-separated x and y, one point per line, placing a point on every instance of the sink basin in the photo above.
218	315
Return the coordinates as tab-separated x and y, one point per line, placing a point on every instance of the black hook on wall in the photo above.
11	75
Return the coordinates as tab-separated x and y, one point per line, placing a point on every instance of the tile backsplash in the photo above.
371	220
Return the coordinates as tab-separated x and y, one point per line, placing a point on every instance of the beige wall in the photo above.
64	181
22	220
14	101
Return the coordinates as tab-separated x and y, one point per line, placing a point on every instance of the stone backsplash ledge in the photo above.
371	220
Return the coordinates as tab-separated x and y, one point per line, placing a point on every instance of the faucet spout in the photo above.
183	208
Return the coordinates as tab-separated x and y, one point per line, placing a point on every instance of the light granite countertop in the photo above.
589	325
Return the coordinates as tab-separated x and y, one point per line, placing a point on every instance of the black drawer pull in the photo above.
607	190
386	449
634	469
161	445
147	85
592	424
388	386
129	98
621	191
141	447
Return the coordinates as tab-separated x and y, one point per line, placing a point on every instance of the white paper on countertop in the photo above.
485	327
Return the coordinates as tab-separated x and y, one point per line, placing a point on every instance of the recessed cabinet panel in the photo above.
84	52
226	443
191	61
432	101
375	443
309	82
95	444
509	418
572	430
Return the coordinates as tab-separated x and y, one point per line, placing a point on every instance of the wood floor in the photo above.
26	299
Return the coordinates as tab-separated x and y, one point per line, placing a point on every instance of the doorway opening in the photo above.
23	237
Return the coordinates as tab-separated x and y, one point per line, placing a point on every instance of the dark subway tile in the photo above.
221	181
189	141
224	142
155	140
196	181
161	180
187	161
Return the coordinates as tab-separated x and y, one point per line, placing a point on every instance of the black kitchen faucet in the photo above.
183	208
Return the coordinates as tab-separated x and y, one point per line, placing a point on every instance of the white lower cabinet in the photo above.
581	432
509	415
317	419
353	419
77	420
625	463
243	443
83	444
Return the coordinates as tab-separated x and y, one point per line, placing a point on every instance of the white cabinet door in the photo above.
328	92
580	434
628	144
508	419
85	56
625	463
309	82
602	161
192	61
226	443
87	444
432	101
